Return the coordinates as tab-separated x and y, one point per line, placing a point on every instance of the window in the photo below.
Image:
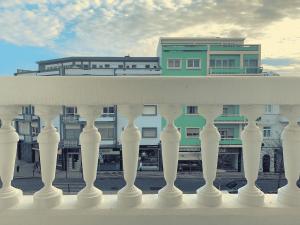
174	63
106	65
72	134
34	131
120	66
267	132
218	63
109	110
231	63
226	133
268	108
193	63
85	67
192	110
26	110
94	66
230	110
133	66
147	66
149	132
222	63
150	110
70	110
23	128
250	63
107	133
192	132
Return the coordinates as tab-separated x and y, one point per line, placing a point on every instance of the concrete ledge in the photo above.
150	212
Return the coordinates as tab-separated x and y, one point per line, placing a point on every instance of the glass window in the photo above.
226	133
147	66
70	110
107	133
253	63
109	110
268	108
231	63
267	132
192	110
120	66
150	110
218	63
72	134
212	63
192	132
193	63
106	65
174	63
149	132
133	66
94	66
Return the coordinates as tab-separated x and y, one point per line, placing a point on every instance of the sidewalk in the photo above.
26	170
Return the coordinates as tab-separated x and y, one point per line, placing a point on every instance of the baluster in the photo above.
130	195
209	195
9	196
170	137
252	139
290	193
48	139
90	140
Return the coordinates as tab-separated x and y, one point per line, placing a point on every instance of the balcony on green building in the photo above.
234	70
228	47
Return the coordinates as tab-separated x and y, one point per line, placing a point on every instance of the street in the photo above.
146	184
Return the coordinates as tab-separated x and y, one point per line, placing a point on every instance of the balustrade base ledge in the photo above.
190	212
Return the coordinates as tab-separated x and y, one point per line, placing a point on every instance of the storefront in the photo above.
230	160
149	157
109	159
189	161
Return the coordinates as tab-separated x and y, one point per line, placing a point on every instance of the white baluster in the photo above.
9	196
130	195
209	195
290	193
170	195
90	140
252	139
48	139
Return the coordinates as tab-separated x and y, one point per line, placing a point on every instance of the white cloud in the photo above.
119	27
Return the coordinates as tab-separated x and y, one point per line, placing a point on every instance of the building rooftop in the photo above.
200	40
102	59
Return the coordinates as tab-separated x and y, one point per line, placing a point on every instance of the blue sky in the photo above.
33	30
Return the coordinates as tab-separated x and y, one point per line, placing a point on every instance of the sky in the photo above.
33	30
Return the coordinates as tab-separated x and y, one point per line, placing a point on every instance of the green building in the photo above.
209	57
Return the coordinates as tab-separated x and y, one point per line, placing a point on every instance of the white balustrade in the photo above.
209	195
9	196
170	205
90	139
290	193
48	139
130	195
252	139
170	195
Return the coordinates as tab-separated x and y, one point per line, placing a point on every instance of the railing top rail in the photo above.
97	90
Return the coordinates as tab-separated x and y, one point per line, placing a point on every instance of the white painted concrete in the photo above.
149	212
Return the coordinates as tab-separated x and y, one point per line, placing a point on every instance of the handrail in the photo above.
71	90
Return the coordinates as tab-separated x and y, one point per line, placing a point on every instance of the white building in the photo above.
109	124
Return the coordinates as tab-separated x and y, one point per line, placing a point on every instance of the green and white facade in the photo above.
209	57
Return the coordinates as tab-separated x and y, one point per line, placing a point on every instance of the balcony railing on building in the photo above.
169	206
